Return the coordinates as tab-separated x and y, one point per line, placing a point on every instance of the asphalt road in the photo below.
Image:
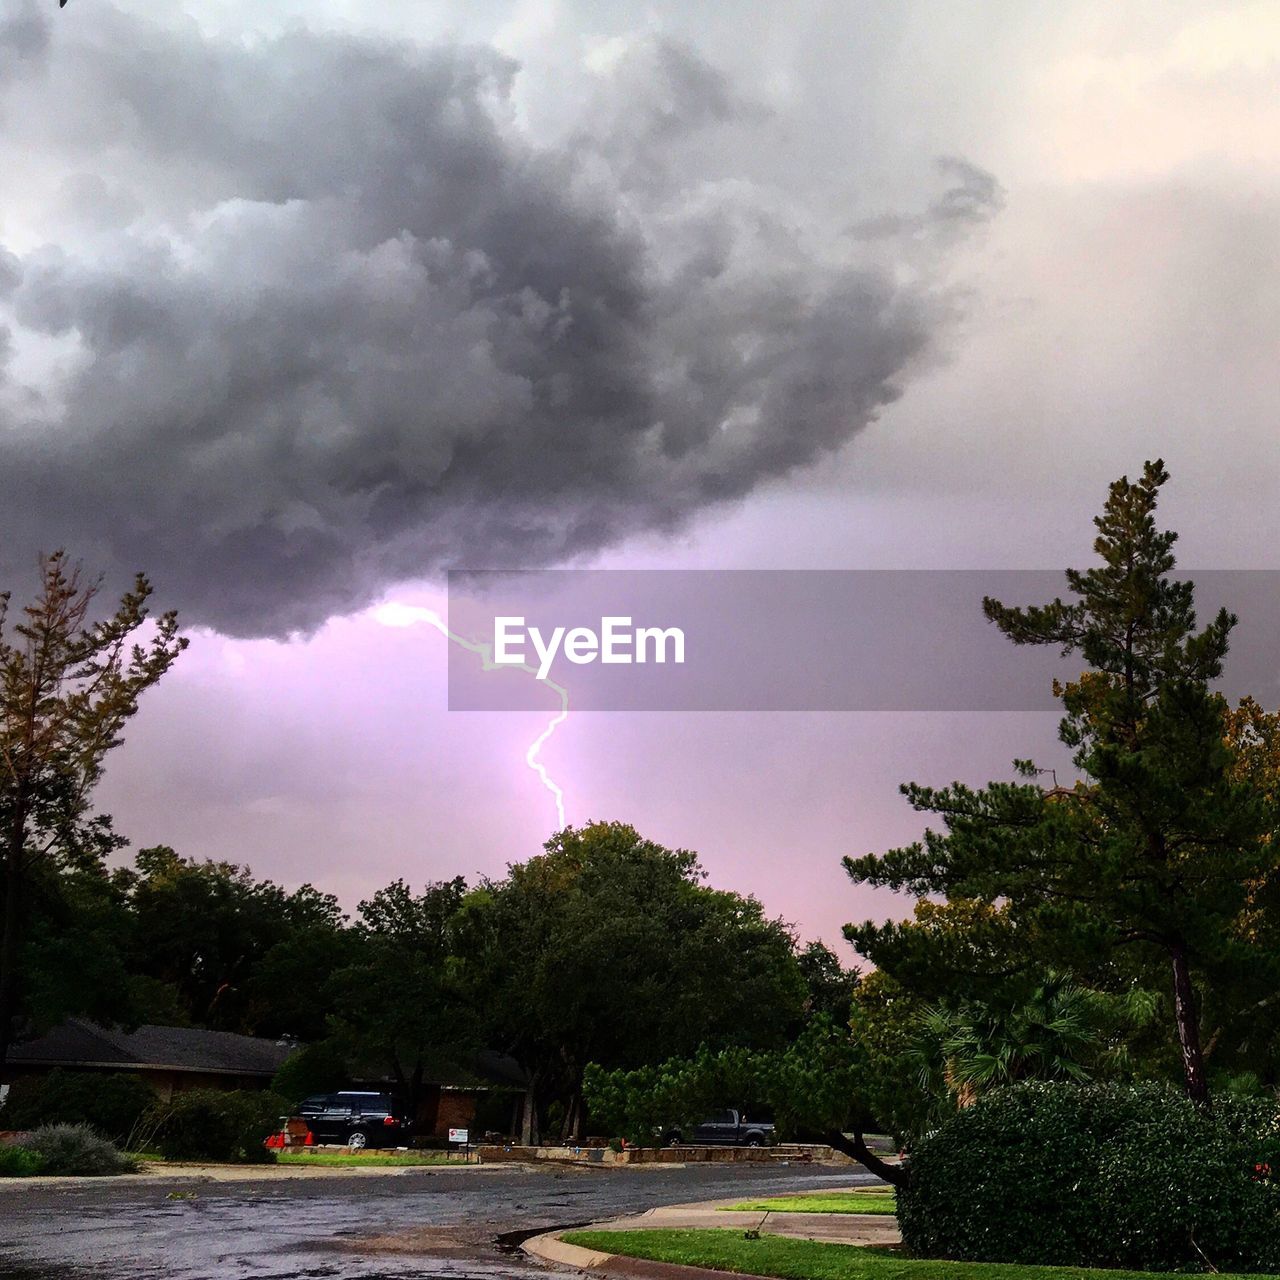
438	1222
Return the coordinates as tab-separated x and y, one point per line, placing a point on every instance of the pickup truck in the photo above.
725	1129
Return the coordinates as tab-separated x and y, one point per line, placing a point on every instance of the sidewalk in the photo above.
829	1228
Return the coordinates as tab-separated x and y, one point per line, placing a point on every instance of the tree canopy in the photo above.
609	948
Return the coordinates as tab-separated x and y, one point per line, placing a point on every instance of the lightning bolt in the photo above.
405	615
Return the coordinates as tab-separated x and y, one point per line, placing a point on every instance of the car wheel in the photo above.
753	1141
673	1140
357	1141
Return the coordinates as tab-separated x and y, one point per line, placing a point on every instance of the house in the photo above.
483	1093
170	1059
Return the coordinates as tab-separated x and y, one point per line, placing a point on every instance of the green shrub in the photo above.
19	1162
208	1124
77	1149
112	1104
1099	1175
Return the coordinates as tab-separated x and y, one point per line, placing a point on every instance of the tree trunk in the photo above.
570	1118
894	1174
528	1122
1187	1018
571	1130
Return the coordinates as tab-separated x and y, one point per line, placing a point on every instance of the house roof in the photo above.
80	1043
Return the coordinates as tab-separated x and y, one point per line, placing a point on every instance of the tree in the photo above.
76	923
315	1068
815	1086
288	990
820	1086
642	1104
904	1067
885	1023
402	1004
241	954
830	985
1156	845
1241	1004
68	683
610	948
960	948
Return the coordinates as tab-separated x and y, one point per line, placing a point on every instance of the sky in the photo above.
305	302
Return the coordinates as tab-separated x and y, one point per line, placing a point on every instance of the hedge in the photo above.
1098	1176
209	1124
112	1104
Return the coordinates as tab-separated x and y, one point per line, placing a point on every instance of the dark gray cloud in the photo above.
311	316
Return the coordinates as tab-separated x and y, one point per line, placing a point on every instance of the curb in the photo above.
550	1248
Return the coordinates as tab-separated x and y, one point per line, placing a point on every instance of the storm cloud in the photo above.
288	321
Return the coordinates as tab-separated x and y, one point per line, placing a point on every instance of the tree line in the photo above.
603	948
1118	924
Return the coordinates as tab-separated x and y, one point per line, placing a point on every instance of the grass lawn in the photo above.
810	1260
824	1202
357	1159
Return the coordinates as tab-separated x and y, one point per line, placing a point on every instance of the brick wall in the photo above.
456	1111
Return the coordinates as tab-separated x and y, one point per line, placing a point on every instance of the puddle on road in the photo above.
453	1251
432	1240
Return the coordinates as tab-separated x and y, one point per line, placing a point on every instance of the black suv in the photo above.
356	1119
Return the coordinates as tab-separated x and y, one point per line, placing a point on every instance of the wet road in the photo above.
435	1222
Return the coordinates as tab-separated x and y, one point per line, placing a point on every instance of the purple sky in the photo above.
296	319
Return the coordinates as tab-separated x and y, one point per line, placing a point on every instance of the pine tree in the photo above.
1158	842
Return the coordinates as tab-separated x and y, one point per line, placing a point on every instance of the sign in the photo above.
460	1135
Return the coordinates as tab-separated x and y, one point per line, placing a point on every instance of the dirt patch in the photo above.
456	1241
